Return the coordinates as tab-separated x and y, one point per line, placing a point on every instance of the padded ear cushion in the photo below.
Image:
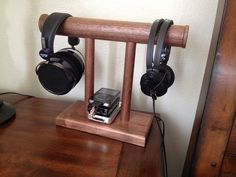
152	81
170	75
61	73
75	61
54	77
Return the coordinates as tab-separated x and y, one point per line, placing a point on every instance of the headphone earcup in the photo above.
75	59
62	72
169	74
152	83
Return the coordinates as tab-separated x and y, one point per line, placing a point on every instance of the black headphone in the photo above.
62	70
159	76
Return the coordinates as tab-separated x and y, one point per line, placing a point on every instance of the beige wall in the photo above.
20	43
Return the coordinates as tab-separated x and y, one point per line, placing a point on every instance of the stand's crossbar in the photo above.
117	30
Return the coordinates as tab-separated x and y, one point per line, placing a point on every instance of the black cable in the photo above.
153	91
14	93
18	101
161	127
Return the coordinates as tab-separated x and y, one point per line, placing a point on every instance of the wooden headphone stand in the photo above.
129	126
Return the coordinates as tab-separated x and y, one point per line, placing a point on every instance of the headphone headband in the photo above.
49	30
151	40
160	47
159	76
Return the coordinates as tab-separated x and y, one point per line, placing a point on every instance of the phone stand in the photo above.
129	126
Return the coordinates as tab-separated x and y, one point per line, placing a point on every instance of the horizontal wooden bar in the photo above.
123	31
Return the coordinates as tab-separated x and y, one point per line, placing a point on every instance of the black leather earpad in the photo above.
152	82
54	78
76	61
170	75
62	72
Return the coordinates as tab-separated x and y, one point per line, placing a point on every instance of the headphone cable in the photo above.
152	91
161	127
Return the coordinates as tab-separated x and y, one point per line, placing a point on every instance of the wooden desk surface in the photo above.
31	145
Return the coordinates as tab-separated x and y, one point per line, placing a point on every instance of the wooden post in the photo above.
89	69
128	80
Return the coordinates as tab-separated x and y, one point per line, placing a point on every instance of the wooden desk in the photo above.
31	145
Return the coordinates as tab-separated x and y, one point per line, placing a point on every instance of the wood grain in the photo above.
229	164
117	30
32	146
204	90
135	131
139	159
128	81
220	105
231	147
227	175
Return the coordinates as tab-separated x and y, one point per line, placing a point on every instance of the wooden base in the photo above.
135	131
